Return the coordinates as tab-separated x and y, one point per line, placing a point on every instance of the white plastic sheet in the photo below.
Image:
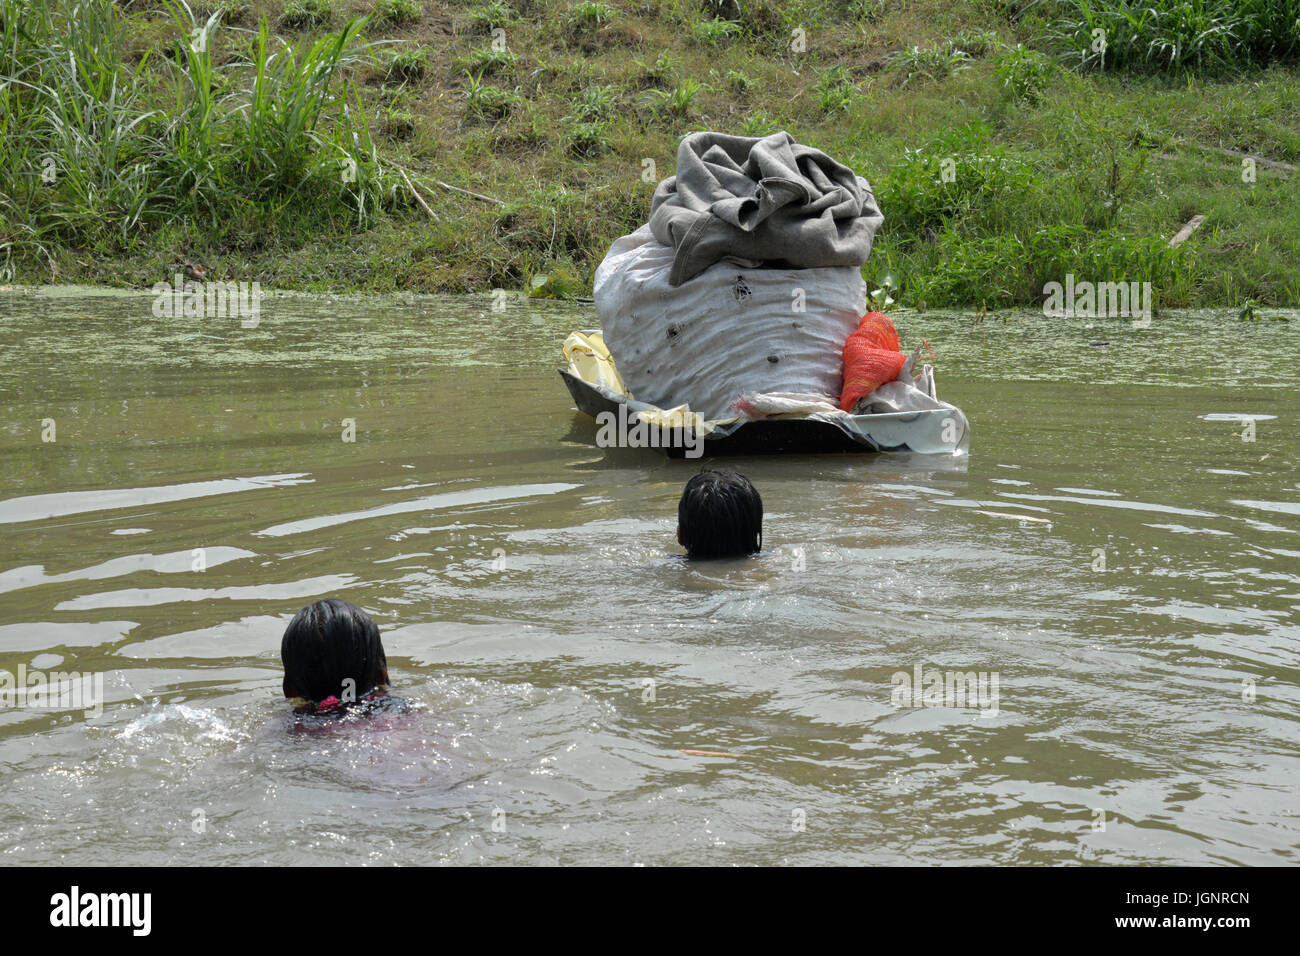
732	330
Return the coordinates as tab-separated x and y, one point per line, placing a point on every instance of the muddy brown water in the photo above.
1117	564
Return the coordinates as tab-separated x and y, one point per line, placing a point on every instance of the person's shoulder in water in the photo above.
720	515
334	664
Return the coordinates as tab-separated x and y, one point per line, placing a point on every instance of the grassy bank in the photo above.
462	146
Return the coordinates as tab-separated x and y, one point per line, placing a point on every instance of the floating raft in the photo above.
598	391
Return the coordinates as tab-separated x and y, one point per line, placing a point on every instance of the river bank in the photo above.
461	147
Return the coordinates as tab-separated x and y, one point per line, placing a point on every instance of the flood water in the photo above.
1116	553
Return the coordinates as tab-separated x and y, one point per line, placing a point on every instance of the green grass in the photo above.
232	11
1025	73
488	61
408	64
1000	156
587	138
397	12
759	124
92	157
659	71
306	14
676	102
977	42
933	63
490	16
1214	35
836	91
595	103
485	102
585	15
715	32
738	82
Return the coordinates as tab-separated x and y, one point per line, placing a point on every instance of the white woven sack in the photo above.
730	331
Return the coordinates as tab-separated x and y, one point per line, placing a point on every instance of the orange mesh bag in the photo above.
871	358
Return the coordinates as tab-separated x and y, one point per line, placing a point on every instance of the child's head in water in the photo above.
332	657
720	515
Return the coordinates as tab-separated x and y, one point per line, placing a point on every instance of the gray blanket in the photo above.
769	200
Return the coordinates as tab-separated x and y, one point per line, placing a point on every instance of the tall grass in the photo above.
88	158
934	63
1203	35
1006	270
835	90
275	136
249	152
675	102
79	151
970	221
959	181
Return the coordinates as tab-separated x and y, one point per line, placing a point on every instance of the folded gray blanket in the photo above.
771	200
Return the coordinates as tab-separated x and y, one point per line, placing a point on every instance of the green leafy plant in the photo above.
398	123
759	124
586	138
488	61
490	15
560	282
880	299
306	14
721	9
956	179
594	103
587	16
292	89
272	125
836	91
487	102
976	42
1001	270
408	64
398	12
675	102
738	82
233	11
660	71
1025	73
934	63
1114	154
714	32
1250	312
866	11
1150	35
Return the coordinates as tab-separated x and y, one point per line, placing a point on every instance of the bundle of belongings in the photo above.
743	298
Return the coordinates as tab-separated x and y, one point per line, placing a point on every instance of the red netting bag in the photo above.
871	358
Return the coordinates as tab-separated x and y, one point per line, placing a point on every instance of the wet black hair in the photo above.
328	643
720	515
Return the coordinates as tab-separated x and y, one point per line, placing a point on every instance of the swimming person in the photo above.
720	515
334	661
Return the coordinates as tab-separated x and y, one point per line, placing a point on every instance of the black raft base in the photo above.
791	436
